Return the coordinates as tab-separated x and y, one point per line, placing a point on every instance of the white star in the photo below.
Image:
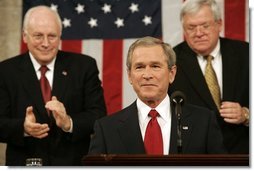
119	22
134	8
93	22
53	7
80	8
147	20
106	8
66	22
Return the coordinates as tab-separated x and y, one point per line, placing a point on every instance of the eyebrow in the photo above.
152	62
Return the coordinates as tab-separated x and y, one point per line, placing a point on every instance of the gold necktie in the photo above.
212	81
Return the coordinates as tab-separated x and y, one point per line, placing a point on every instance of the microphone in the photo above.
178	99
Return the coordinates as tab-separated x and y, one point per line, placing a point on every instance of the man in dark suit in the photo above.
202	24
151	68
56	130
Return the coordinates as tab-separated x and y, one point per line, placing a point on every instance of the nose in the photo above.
199	31
147	73
45	41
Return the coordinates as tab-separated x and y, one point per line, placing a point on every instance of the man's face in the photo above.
201	31
42	37
149	73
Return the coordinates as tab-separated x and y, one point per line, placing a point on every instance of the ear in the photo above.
24	35
129	76
219	22
172	74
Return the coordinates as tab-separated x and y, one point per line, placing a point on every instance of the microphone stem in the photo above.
179	133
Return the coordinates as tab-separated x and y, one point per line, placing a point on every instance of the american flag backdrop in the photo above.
104	29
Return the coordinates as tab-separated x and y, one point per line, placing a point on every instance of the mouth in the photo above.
201	41
46	51
148	85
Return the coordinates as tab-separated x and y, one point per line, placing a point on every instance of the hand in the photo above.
59	113
232	112
32	128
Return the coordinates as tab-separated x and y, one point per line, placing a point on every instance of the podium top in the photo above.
167	160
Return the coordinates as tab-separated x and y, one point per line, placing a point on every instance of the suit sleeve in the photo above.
93	103
11	129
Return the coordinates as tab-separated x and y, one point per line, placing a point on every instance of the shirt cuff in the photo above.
71	127
246	113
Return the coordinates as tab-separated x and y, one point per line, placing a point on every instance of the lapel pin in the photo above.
185	127
64	73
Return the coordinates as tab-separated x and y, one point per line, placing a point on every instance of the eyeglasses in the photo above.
38	37
203	28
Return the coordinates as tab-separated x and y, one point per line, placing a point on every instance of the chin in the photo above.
46	59
201	50
149	97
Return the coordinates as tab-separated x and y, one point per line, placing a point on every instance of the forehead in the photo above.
148	53
41	20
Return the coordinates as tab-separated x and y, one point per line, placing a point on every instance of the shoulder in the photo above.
119	116
198	111
13	63
75	56
236	48
231	43
76	61
199	116
13	60
183	49
180	46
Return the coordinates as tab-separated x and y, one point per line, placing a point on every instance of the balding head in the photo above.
42	31
41	13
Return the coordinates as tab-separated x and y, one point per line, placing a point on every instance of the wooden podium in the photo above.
166	160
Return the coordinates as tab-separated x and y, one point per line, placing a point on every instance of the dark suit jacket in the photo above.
120	133
235	67
76	85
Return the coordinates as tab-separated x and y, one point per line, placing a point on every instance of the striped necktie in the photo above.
212	81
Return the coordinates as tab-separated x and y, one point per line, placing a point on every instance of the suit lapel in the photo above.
129	131
186	130
32	87
229	63
193	72
173	135
186	127
60	79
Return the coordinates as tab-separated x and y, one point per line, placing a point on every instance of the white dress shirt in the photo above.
49	73
164	120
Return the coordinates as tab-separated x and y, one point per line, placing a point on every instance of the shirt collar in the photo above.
37	65
214	53
216	50
163	109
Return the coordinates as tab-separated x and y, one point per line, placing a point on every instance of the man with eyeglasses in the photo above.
49	99
202	24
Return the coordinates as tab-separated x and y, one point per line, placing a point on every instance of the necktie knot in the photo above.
45	86
44	69
209	58
153	113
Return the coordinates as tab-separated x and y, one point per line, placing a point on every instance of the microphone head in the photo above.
178	97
